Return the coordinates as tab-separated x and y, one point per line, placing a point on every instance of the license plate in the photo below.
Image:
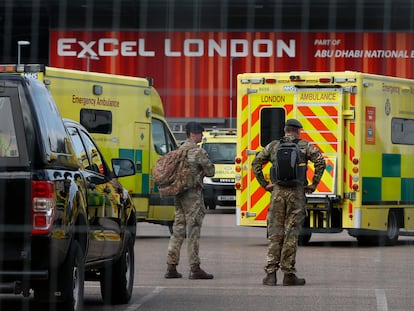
226	197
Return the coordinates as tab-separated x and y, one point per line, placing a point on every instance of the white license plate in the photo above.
226	197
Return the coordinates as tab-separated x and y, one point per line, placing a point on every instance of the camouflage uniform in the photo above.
286	213
189	208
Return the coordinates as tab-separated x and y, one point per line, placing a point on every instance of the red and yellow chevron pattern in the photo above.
320	122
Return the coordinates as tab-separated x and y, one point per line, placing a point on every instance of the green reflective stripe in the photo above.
145	183
407	189
126	153
141	179
391	165
371	189
395	183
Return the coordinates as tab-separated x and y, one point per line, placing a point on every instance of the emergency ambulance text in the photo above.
87	101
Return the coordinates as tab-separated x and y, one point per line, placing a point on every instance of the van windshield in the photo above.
221	153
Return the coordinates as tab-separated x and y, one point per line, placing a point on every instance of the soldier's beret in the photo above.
194	127
294	123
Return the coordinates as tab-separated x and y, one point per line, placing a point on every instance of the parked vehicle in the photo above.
221	148
64	217
362	123
125	116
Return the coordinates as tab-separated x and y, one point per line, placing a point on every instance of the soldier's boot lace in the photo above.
172	272
197	273
270	279
290	279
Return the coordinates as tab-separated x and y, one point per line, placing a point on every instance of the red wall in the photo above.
191	70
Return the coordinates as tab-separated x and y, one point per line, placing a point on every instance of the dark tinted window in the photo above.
51	123
272	122
96	121
402	131
8	143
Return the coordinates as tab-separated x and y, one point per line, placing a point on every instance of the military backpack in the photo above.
288	168
172	172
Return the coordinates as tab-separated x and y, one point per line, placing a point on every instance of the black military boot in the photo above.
197	273
290	279
172	272
270	279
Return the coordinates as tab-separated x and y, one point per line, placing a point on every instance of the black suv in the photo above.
64	217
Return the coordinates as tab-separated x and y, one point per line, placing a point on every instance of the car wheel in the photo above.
71	280
65	288
117	278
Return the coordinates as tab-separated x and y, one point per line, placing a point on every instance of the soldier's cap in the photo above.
294	123
194	127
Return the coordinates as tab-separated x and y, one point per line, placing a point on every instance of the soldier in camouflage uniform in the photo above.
190	209
287	209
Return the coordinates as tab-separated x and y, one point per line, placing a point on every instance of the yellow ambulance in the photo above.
363	124
220	145
125	116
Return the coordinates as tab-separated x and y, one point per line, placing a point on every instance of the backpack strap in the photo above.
302	146
184	152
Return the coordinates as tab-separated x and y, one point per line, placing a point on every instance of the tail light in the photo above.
43	207
355	176
238	169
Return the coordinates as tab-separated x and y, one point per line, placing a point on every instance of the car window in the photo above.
86	152
51	120
8	144
93	154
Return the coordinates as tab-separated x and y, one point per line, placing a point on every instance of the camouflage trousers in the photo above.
284	220
188	219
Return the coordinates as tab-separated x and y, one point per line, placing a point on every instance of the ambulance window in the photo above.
96	121
220	153
162	138
272	122
402	131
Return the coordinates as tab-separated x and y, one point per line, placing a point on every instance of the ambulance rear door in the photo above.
262	119
320	111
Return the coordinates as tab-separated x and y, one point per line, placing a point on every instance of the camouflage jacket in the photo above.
199	162
308	151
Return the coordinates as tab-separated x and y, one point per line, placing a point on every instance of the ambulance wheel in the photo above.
210	204
393	228
304	238
305	233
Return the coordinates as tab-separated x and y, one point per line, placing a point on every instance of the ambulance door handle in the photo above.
251	152
138	166
349	114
